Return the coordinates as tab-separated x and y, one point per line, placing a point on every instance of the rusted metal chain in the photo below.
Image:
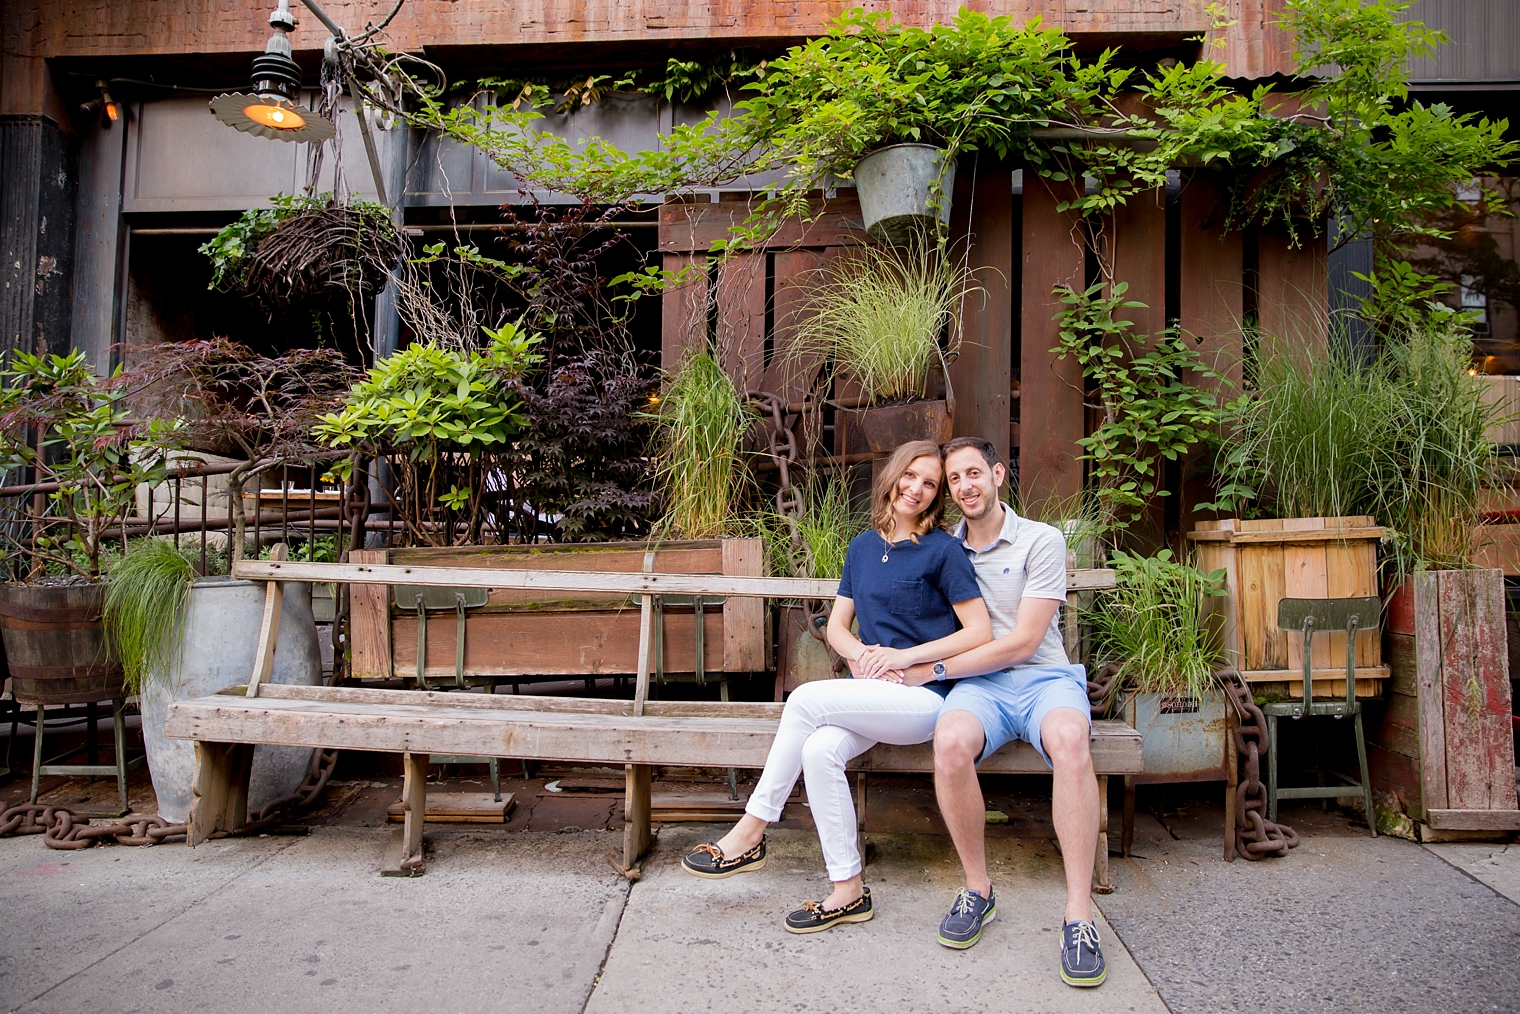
1256	837
781	447
1099	690
62	828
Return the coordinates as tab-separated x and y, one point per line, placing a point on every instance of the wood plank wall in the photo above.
1051	417
982	375
1211	298
1292	295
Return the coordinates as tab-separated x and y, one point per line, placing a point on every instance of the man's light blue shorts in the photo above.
1012	704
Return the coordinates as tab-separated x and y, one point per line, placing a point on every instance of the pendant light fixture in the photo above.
271	111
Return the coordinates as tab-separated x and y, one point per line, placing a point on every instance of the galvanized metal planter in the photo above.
895	186
1184	740
217	650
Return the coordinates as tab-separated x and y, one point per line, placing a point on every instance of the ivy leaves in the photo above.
1153	407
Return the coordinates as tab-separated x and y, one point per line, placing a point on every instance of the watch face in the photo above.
939	669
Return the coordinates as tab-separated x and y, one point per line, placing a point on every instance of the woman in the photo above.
908	582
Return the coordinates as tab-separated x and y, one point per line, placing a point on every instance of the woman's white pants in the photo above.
824	725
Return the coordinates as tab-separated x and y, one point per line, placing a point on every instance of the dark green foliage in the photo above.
579	472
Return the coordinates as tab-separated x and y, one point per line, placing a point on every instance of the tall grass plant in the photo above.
703	421
145	608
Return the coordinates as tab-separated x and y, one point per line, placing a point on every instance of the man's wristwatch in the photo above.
938	668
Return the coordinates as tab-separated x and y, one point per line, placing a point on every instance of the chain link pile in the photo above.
62	828
1256	837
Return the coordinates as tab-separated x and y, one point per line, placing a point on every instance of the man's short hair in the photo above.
986	447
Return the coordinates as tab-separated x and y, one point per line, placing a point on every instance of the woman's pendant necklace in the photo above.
887	552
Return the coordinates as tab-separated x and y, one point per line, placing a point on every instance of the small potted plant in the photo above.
72	431
1155	636
884	318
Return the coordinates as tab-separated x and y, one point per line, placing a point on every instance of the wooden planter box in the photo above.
1267	561
515	634
1442	739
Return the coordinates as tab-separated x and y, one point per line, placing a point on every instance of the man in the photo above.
1021	685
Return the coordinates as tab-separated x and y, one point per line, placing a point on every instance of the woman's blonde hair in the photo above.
884	489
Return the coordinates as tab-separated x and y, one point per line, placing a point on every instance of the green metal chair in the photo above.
1312	616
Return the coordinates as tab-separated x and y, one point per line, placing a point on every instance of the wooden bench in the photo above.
638	734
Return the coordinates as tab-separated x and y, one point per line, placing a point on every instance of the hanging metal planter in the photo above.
899	199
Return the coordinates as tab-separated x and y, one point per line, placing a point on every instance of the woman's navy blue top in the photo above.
907	601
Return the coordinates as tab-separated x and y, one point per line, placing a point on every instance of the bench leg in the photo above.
414	803
221	789
636	836
1127	831
1101	883
860	816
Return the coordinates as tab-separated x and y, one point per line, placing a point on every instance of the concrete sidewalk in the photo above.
528	922
537	921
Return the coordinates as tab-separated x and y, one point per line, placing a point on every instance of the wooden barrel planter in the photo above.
515	635
55	645
1441	741
1269	560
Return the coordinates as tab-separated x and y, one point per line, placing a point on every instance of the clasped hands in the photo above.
892	665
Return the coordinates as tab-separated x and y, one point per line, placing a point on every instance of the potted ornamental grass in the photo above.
1339	453
180	635
886	320
1156	637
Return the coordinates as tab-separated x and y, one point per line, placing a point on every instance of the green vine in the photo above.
1158	398
1346	143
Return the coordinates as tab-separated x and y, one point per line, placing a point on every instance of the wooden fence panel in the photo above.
982	375
1135	247
1211	292
1210	306
1051	419
741	318
683	313
1293	291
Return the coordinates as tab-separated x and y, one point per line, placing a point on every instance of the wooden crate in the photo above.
520	633
1441	740
1267	561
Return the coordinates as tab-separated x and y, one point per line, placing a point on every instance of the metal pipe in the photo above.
331	25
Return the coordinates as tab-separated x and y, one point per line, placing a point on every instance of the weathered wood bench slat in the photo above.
639	734
692	733
577	581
